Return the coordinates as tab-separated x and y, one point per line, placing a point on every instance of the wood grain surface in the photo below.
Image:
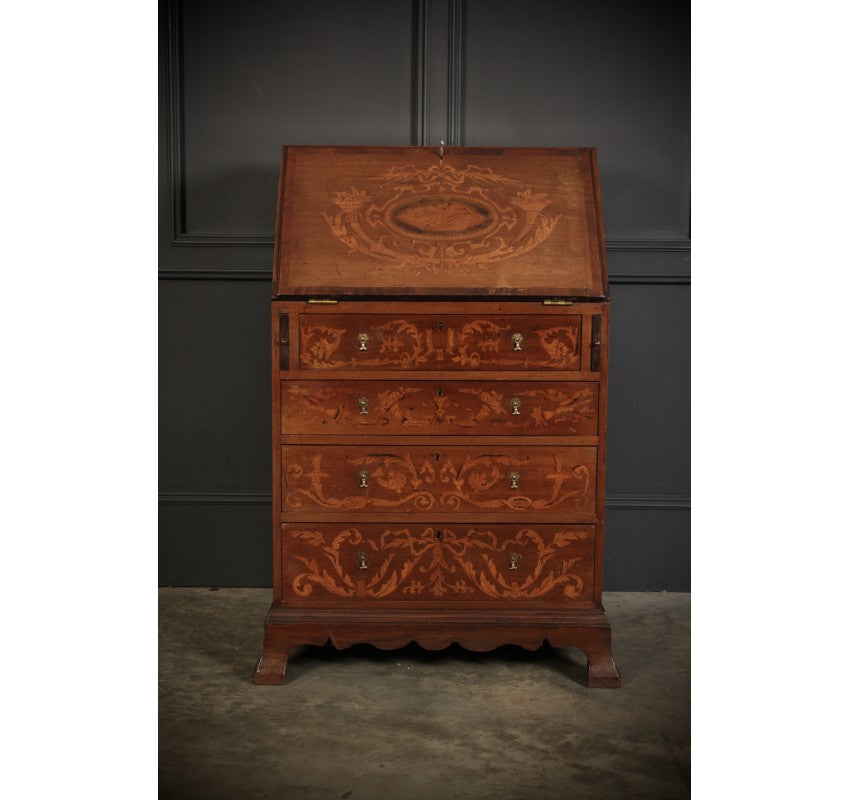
357	480
447	563
403	221
440	341
440	408
441	459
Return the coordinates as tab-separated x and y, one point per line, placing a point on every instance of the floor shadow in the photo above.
231	634
568	662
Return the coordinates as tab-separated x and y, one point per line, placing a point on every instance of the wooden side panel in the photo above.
440	341
595	342
283	328
440	407
361	480
328	562
600	336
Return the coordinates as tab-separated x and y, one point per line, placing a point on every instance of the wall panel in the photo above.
214	386
612	74
649	388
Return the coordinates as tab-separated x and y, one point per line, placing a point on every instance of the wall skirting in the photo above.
650	277
213	274
632	501
649	245
216	498
643	501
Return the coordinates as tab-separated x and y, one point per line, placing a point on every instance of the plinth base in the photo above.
480	630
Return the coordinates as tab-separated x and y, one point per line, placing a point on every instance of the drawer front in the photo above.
454	562
447	479
435	407
433	341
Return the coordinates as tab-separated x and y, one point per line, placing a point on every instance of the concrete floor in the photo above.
364	724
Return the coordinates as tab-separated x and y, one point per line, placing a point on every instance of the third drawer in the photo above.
416	478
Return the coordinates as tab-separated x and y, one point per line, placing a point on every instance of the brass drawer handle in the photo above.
362	560
363	477
516	341
363	403
362	340
513	478
515	406
513	560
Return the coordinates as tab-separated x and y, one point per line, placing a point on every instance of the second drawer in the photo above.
366	479
440	407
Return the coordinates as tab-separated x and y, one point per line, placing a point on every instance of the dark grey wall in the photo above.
240	79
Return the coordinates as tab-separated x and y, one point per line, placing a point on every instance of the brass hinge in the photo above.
322	301
556	301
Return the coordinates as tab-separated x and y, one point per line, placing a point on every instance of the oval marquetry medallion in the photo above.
441	220
440	216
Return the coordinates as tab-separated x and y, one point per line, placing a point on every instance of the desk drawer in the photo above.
448	563
440	407
445	342
420	479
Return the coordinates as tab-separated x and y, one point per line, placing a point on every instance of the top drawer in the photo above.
440	342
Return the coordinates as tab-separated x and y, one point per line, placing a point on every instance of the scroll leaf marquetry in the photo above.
455	343
458	562
455	479
440	220
458	407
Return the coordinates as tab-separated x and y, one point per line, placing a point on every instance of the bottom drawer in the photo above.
456	562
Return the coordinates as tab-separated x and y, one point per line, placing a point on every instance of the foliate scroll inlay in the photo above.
404	482
441	220
405	407
548	407
472	344
403	345
441	563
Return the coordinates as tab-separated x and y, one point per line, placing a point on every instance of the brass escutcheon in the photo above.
363	402
363	477
516	341
362	340
513	560
515	406
513	478
362	560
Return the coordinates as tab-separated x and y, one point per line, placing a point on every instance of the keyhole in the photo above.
436	456
439	392
439	326
438	534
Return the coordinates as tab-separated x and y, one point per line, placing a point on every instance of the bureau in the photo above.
439	398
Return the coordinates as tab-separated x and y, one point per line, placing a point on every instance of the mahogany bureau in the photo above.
440	379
